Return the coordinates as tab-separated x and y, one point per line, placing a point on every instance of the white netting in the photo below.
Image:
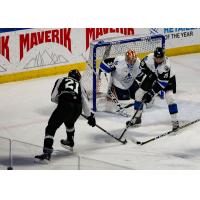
109	48
145	45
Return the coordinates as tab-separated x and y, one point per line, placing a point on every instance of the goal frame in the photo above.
101	43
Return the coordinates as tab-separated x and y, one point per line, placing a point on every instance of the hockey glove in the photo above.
148	96
113	68
152	76
91	120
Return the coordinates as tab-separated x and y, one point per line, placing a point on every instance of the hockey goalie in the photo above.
122	85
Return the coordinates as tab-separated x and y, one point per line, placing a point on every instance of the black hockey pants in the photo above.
65	112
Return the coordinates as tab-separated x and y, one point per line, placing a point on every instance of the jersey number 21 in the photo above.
71	84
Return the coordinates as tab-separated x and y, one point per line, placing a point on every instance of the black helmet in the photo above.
159	52
75	74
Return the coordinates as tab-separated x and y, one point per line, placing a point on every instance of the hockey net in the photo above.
97	84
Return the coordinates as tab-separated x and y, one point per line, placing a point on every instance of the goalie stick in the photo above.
111	135
120	107
166	133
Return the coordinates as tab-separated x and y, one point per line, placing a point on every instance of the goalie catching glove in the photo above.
91	120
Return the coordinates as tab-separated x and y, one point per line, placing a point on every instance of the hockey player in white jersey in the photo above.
157	76
123	69
71	99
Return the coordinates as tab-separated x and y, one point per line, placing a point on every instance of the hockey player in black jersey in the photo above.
156	76
71	99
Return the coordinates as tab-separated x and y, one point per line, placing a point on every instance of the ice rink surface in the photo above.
26	107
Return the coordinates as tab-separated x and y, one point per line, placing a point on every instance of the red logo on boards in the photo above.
4	48
94	33
29	40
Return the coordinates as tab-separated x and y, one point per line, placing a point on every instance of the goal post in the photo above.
142	44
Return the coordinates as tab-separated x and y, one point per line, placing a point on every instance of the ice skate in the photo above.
67	144
43	158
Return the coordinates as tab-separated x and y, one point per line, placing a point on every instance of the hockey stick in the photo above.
167	133
111	135
128	106
127	126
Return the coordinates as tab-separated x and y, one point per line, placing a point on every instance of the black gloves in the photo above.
91	120
113	68
148	96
